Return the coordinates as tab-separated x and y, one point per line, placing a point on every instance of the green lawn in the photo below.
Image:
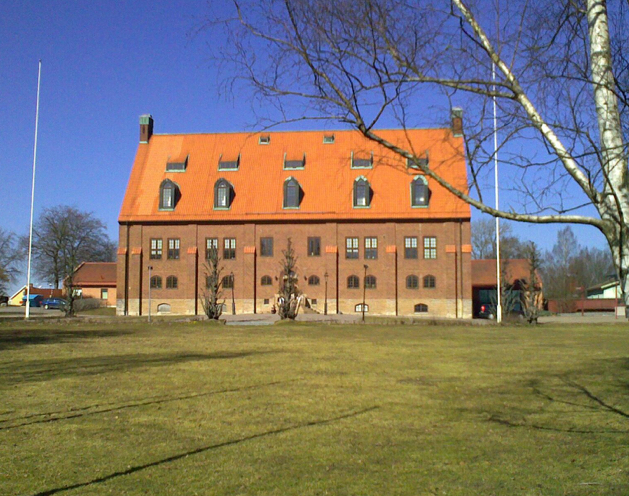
194	409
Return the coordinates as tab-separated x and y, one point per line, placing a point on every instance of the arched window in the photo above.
171	282
362	192
292	193
359	307
419	192
421	308
412	282
313	281
370	282
223	194
228	282
430	282
353	282
168	195
156	282
163	308
266	281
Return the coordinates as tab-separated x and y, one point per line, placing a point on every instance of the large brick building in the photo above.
344	201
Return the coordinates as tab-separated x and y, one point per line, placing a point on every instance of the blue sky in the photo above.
104	64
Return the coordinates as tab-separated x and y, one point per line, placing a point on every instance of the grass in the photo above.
190	409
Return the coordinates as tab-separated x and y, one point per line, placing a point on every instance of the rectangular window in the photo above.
430	247
328	139
173	249
294	163
371	248
410	247
229	249
314	247
363	161
209	244
267	301
156	248
351	247
264	140
104	294
228	164
266	247
177	166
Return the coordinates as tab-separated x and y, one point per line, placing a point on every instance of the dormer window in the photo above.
168	195
362	161
295	164
362	193
417	162
177	166
328	139
264	140
224	164
223	194
420	194
292	193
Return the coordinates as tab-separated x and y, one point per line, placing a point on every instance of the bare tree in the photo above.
63	237
532	287
484	240
560	81
212	296
288	291
10	257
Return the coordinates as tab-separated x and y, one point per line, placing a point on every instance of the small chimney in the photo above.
457	122
146	128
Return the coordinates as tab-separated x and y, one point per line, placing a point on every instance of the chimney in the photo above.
457	122
146	128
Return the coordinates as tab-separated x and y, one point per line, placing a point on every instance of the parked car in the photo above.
35	300
54	303
4	300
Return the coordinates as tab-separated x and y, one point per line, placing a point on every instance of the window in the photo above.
173	249
229	248
353	282
228	164
156	282
359	308
430	247
266	247
314	247
417	162
104	294
328	139
292	193
264	140
351	247
313	281
223	194
177	166
313	302
266	281
267	301
362	193
362	162
210	244
171	282
421	308
410	247
156	249
419	192
430	282
163	308
168	195
370	282
228	282
371	248
412	282
295	163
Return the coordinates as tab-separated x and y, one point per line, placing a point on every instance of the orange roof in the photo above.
484	271
326	180
95	274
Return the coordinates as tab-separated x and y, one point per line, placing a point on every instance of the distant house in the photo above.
603	291
516	271
96	280
19	295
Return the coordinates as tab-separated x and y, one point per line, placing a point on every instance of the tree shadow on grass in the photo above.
30	336
598	390
203	449
45	370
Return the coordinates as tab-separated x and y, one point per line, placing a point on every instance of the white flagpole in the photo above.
499	298
30	235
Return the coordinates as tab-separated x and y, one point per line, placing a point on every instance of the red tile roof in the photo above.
484	271
97	274
326	181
